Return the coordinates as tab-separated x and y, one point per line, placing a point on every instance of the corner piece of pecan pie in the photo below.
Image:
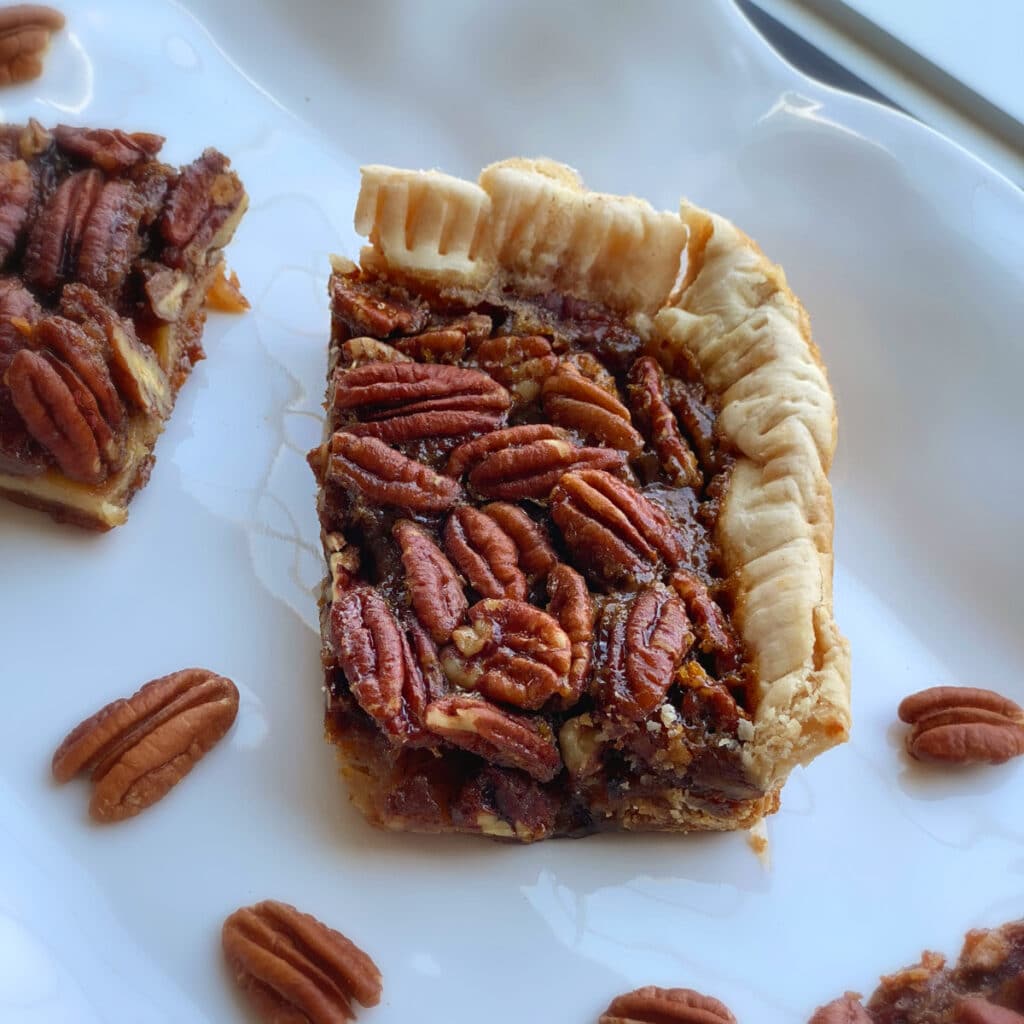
107	256
575	503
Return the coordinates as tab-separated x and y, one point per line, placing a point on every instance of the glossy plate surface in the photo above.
907	254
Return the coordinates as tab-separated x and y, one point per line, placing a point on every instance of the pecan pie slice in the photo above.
106	259
575	506
984	986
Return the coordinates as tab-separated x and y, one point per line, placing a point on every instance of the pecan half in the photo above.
407	401
643	643
521	362
53	414
963	725
511	652
485	554
152	181
373	652
424	650
86	353
439	346
111	239
846	1010
133	365
16	194
534	552
359	351
295	968
109	444
654	1005
470	453
25	31
386	477
137	749
532	470
501	737
359	309
647	399
612	529
570	603
715	634
200	205
55	237
435	590
695	413
112	150
571	400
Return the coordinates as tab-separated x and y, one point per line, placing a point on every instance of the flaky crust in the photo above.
697	289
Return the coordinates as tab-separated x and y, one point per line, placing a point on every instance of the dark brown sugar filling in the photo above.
526	629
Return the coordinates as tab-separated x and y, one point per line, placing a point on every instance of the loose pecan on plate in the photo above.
654	1005
295	968
25	31
135	750
962	725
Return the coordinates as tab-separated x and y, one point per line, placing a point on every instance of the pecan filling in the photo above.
105	254
984	986
526	631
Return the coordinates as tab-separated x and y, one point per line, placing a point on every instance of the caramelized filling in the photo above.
654	731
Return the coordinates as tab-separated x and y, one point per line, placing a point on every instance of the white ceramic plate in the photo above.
908	255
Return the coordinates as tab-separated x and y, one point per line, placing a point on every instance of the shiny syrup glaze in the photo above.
438	793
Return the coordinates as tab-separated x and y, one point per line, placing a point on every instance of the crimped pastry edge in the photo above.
697	287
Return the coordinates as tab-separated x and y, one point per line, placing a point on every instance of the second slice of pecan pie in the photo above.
575	508
106	259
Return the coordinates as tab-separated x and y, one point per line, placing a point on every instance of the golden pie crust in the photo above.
696	287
